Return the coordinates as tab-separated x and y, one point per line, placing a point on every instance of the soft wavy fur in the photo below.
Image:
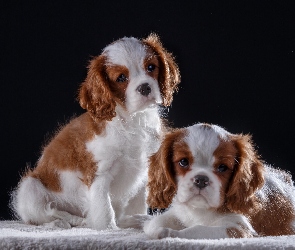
95	94
94	170
241	195
161	176
247	178
169	74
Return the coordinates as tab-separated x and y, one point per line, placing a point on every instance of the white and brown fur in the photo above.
216	187
94	171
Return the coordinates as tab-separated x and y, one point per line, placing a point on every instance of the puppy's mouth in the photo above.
198	201
197	191
199	194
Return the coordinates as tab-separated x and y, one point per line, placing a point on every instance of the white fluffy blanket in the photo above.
15	235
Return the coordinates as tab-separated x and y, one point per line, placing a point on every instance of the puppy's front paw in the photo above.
133	221
167	232
163	233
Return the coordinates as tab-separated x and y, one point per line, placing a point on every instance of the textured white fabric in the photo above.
16	235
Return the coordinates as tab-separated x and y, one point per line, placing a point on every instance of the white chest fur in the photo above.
123	149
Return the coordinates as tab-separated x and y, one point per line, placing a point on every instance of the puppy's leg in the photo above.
196	232
134	221
159	227
207	232
135	213
101	214
137	205
231	226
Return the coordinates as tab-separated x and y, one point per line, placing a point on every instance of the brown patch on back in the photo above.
272	217
241	232
67	151
275	217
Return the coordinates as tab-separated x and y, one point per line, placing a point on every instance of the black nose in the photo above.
144	89
201	181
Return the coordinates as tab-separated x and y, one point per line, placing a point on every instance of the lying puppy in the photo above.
218	186
96	166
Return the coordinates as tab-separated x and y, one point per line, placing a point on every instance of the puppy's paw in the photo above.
58	223
83	223
102	225
164	232
133	221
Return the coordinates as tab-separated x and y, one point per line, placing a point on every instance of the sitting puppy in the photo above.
94	171
218	186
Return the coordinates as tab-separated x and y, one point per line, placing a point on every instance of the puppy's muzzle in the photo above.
144	89
201	181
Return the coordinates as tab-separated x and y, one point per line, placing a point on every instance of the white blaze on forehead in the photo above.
203	141
127	51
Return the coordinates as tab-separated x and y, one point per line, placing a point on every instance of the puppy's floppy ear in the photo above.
94	93
247	177
161	175
169	76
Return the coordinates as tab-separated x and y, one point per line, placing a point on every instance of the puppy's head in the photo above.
132	73
204	166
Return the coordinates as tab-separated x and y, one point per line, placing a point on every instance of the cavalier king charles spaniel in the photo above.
94	171
217	187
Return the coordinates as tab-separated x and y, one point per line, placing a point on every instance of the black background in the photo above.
236	60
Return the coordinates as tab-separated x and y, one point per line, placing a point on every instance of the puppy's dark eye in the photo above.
151	67
222	168
183	163
121	78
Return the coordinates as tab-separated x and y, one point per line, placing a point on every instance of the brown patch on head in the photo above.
161	175
67	151
225	161
118	77
169	76
181	152
151	65
246	179
94	94
272	216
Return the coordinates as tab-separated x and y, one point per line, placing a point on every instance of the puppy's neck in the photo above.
148	119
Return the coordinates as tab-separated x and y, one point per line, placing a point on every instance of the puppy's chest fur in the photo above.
122	150
189	216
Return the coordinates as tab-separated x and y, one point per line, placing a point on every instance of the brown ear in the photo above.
169	76
247	177
94	93
161	175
